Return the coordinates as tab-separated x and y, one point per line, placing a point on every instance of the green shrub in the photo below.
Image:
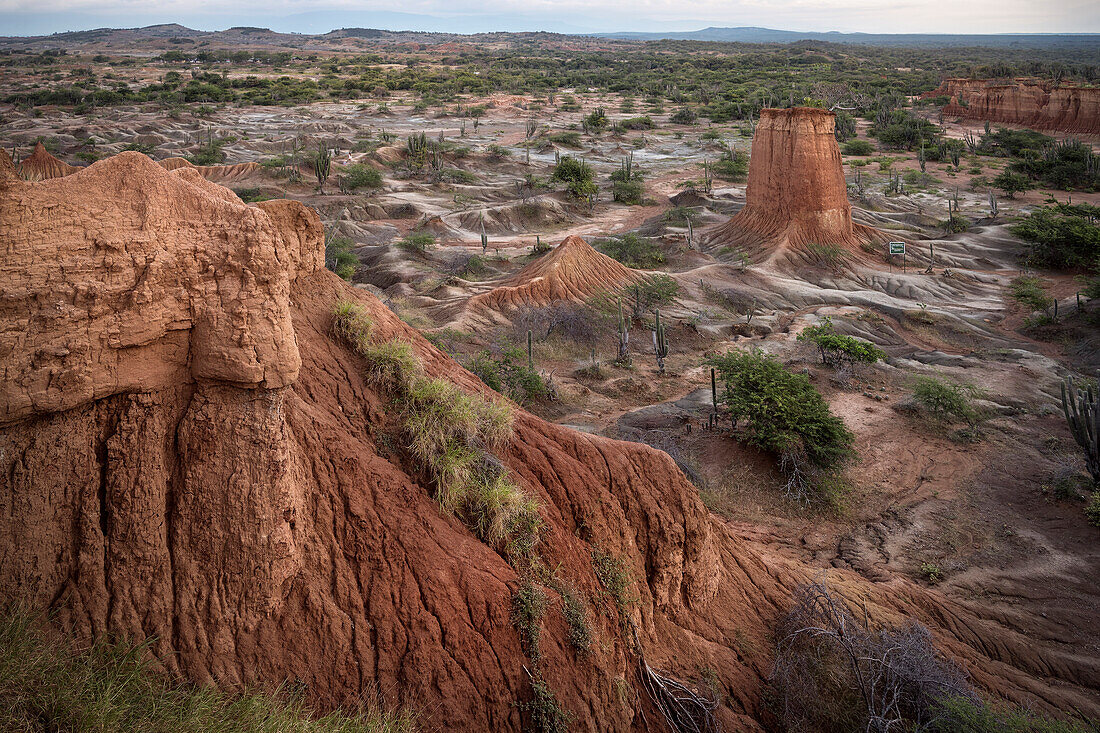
1029	291
858	147
836	348
784	411
251	195
417	243
1012	183
632	250
638	123
683	116
945	400
546	714
732	166
1062	236
960	713
655	289
1092	509
509	374
576	616
339	256
628	192
566	138
577	175
49	683
358	175
597	120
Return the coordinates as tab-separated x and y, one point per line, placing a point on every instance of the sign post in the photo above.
898	248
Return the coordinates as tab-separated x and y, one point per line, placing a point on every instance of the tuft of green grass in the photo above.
528	608
1029	291
617	582
47	683
546	714
451	433
575	611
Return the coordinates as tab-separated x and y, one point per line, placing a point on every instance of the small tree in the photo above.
577	176
1013	183
837	349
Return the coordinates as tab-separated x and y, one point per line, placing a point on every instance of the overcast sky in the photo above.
875	16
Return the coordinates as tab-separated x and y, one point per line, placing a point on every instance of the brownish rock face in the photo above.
40	165
572	271
796	193
187	453
1039	105
215	173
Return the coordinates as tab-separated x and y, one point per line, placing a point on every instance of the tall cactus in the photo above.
624	337
660	344
530	352
1083	415
712	421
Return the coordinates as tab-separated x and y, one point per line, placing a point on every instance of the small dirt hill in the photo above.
188	452
40	165
796	194
572	271
215	173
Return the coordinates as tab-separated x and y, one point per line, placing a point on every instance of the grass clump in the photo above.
545	712
787	417
576	616
1029	291
452	434
46	684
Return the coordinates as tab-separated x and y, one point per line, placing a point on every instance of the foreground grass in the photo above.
114	686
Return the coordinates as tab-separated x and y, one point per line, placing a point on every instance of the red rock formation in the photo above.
40	165
796	192
215	173
224	479
573	271
7	166
1039	105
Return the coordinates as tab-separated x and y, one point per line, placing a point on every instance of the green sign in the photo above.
897	248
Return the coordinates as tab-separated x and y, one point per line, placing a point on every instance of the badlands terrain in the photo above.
251	282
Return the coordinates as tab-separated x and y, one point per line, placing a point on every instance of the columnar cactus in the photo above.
660	344
1083	415
624	337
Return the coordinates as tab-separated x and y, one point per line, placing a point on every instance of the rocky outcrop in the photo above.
573	271
40	165
796	193
225	479
215	173
1027	102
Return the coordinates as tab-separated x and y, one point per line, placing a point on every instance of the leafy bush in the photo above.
417	243
651	290
945	400
858	147
901	129
683	116
837	348
1066	165
358	175
509	374
638	123
632	250
957	713
596	120
787	417
1063	235
1092	509
566	138
1013	143
628	192
577	175
1012	183
732	166
339	256
49	683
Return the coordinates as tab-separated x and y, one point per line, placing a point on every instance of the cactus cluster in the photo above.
624	338
1083	415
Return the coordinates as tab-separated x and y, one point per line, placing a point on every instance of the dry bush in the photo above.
833	672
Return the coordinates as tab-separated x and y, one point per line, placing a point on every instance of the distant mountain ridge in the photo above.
753	34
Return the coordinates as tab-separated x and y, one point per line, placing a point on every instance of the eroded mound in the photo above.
189	453
40	165
573	271
1039	105
216	173
796	195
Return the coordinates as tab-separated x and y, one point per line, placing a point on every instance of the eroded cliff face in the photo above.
1042	106
40	165
796	193
226	480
